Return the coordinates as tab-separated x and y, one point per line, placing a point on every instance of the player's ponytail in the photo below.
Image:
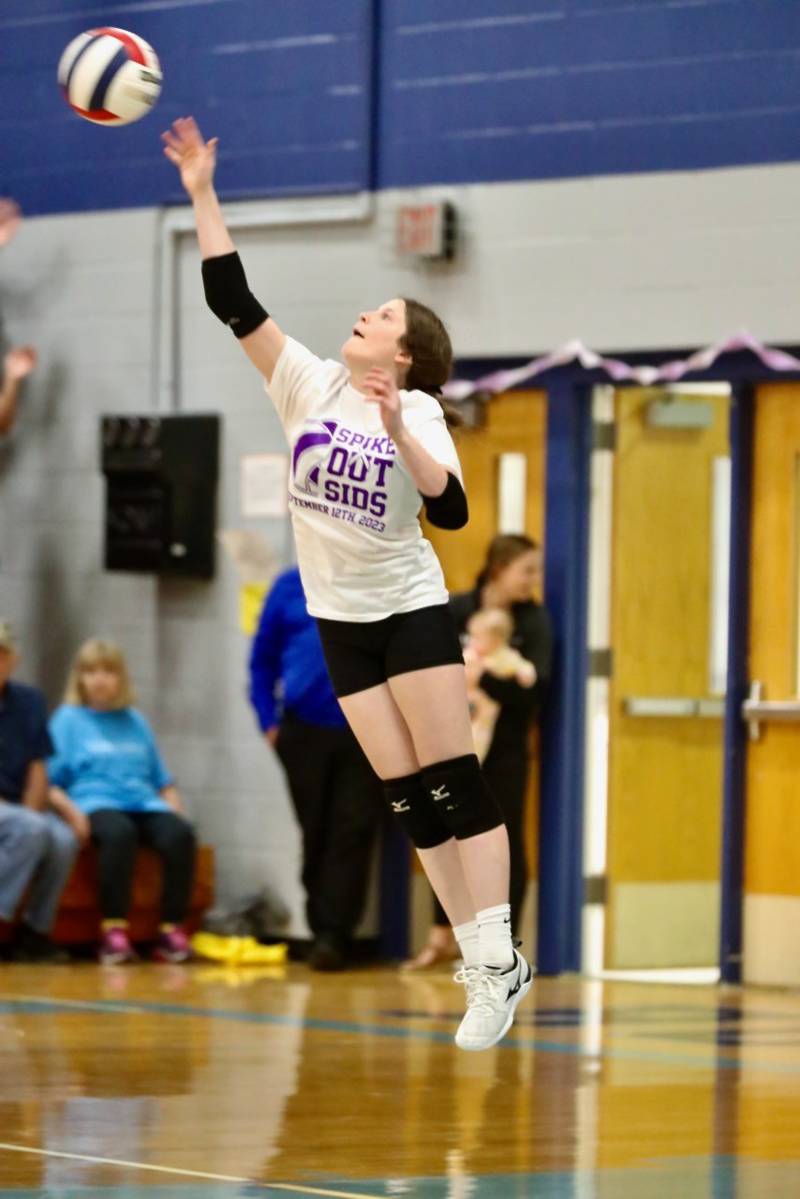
427	341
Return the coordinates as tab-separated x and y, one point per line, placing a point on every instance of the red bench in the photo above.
78	919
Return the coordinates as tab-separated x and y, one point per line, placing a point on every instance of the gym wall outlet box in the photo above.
669	413
161	485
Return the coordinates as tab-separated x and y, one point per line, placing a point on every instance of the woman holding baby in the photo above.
508	652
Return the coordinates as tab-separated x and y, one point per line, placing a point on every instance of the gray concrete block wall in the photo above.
625	262
82	289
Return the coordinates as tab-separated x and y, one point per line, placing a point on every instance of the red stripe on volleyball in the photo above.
133	47
94	114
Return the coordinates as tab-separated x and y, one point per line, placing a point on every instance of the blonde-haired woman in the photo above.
109	783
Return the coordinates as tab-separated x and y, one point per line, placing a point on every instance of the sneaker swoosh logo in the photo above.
513	990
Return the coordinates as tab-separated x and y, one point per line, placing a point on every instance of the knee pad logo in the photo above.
439	794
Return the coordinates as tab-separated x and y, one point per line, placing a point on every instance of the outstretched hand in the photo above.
18	363
195	158
10	220
380	388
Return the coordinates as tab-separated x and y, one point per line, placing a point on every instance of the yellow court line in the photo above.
114	1161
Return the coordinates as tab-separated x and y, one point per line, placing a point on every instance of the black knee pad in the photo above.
461	796
409	803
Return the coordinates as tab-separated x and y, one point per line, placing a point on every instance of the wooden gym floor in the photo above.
202	1082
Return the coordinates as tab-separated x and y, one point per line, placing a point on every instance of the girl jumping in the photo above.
368	446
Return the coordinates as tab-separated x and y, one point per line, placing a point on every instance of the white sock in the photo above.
467	936
494	936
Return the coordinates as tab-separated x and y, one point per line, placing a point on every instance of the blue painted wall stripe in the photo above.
284	85
396	93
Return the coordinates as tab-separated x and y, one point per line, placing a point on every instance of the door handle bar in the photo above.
756	710
674	707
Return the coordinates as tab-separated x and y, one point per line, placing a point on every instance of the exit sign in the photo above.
426	230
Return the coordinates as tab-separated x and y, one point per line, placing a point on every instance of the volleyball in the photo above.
110	76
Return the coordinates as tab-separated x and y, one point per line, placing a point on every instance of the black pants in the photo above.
506	773
117	836
338	802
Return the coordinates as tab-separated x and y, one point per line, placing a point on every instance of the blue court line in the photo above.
30	1005
723	1176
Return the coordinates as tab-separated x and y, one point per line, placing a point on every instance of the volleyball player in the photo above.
369	445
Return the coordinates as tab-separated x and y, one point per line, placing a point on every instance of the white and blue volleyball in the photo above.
110	76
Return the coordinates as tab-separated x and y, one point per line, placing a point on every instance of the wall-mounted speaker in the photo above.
161	485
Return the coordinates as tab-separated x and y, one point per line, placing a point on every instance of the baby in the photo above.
488	648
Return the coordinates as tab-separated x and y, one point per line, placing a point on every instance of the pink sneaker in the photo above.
172	946
115	948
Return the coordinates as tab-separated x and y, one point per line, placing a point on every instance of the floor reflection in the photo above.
269	1080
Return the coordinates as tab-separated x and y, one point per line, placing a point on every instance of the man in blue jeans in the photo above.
37	848
335	794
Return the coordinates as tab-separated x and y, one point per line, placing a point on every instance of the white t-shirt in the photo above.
353	504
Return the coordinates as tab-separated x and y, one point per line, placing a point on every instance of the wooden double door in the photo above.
771	949
669	600
666	699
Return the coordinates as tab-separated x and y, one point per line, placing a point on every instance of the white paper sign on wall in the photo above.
263	480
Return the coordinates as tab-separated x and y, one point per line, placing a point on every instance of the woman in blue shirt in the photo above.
108	777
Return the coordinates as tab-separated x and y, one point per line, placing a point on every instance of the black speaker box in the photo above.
161	485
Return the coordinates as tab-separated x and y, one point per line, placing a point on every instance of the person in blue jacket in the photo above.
335	794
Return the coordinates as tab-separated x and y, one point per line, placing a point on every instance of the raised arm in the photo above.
17	365
227	293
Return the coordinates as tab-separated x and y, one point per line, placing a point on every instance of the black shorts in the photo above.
363	654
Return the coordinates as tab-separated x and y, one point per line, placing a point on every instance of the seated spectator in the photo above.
335	794
107	768
37	848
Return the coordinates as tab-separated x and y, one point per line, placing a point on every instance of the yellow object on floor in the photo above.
238	951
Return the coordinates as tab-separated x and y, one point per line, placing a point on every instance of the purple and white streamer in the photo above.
646	376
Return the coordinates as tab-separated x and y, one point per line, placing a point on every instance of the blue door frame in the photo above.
560	897
568	462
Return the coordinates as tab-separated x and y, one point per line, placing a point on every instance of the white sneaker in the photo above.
492	997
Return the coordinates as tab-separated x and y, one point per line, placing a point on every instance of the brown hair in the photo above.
504	549
98	652
427	341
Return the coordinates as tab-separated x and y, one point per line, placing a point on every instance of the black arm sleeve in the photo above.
448	510
228	295
536	644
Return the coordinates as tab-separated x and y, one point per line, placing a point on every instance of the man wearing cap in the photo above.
37	848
